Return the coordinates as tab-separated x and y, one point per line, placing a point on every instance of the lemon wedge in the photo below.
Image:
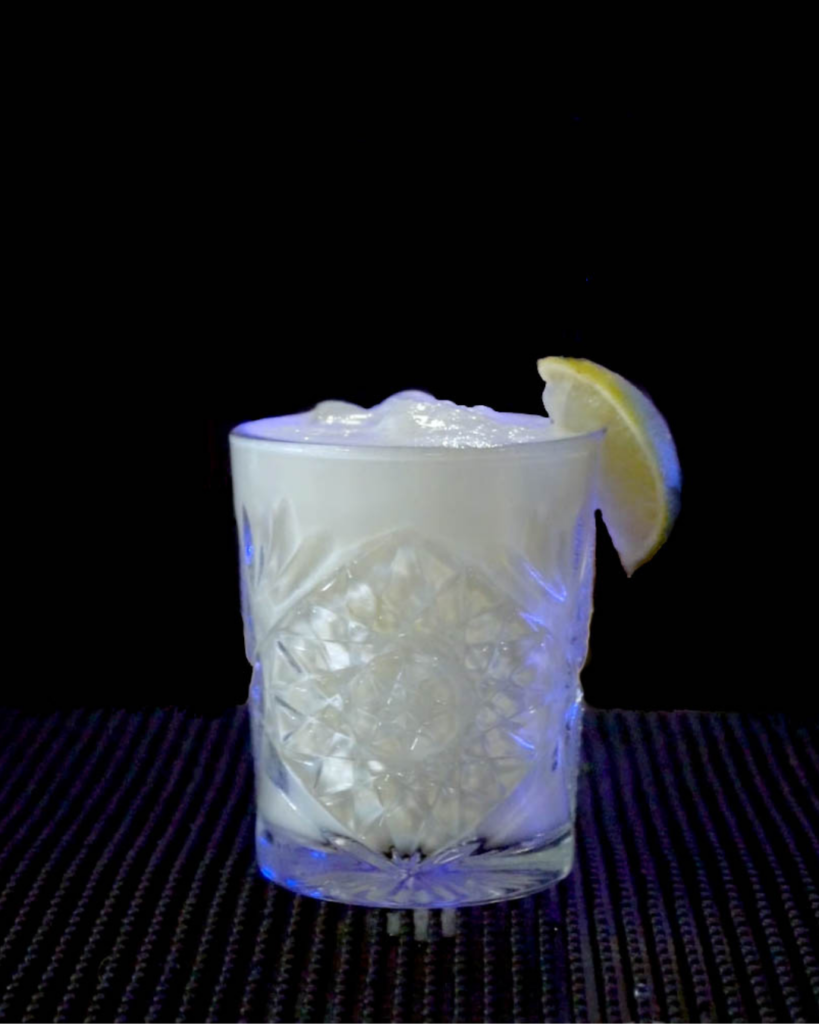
640	478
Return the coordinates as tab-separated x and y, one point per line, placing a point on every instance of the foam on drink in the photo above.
407	419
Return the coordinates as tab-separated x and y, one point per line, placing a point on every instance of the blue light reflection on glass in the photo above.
534	621
559	594
247	539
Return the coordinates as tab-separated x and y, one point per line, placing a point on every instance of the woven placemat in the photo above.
128	889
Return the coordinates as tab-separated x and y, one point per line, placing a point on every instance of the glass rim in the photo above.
520	449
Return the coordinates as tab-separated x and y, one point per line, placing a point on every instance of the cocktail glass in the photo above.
416	620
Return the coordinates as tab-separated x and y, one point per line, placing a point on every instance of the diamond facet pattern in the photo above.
410	695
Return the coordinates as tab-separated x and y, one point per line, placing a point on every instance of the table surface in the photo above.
128	889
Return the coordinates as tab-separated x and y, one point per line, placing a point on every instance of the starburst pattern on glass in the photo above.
409	695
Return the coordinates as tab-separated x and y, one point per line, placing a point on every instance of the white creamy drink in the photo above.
417	592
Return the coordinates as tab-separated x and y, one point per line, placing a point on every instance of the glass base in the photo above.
344	871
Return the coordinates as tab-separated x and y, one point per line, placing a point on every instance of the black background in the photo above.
253	263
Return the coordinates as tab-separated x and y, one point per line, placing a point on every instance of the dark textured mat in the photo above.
128	889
